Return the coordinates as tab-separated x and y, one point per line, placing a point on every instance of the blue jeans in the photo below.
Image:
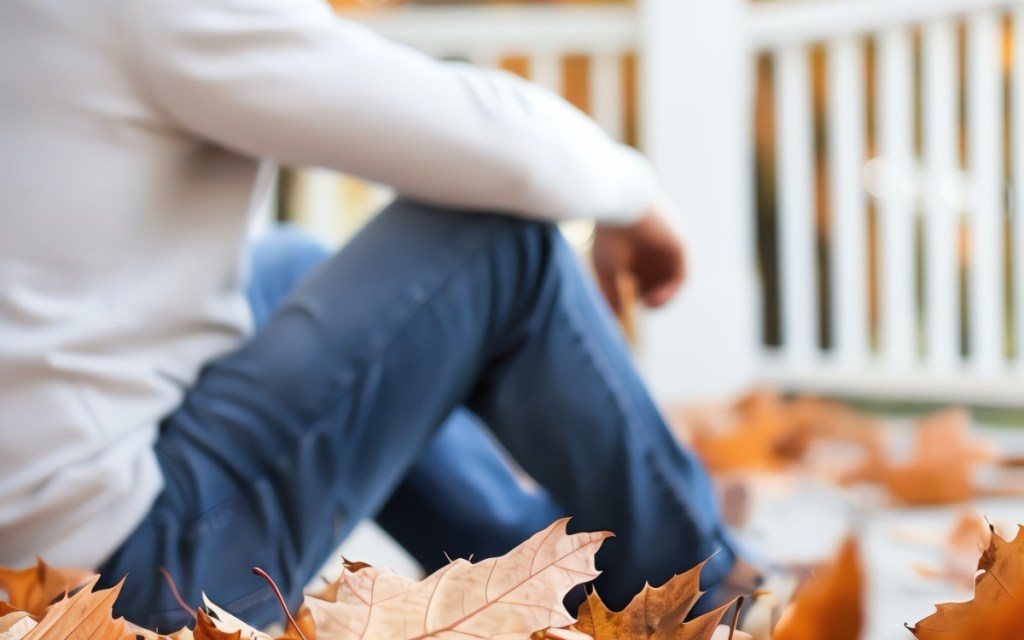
333	411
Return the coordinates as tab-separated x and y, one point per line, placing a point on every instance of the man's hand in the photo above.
649	250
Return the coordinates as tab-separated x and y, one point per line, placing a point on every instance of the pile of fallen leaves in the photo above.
519	597
766	432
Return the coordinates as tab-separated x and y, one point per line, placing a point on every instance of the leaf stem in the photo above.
174	592
280	599
735	617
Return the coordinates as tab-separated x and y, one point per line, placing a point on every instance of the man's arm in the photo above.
288	80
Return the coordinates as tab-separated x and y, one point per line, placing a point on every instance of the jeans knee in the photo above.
525	239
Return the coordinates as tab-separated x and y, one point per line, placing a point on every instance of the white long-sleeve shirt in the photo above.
131	136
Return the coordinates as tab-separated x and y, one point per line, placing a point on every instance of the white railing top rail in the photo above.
497	29
801	22
447	30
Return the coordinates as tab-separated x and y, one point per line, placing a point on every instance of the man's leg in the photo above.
460	498
282	446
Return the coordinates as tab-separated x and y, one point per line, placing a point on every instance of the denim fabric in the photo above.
461	497
323	417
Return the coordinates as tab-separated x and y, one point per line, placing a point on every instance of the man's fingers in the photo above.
661	293
610	288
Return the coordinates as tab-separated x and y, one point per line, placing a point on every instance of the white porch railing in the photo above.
696	81
918	329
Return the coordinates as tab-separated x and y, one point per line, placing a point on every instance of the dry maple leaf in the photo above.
654	613
994	613
764	431
830	604
941	470
505	598
752	434
86	615
207	629
34	588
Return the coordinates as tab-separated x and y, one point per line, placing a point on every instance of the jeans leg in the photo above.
282	446
278	261
460	498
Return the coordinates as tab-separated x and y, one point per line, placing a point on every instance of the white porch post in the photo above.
695	79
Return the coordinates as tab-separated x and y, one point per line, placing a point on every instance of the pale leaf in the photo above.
16	625
502	598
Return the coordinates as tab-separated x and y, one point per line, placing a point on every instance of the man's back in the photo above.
119	262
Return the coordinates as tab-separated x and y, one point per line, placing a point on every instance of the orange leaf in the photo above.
655	613
926	482
994	613
306	624
33	589
502	598
763	431
206	629
87	615
941	470
830	608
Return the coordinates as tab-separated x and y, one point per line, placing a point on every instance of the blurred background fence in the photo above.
851	172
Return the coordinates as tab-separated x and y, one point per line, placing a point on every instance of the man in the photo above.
147	422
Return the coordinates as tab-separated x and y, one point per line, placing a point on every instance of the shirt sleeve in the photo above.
288	80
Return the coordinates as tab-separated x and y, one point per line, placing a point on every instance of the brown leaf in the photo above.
226	623
753	434
941	470
501	598
764	431
33	589
830	605
330	591
207	629
86	615
306	623
931	482
994	613
654	613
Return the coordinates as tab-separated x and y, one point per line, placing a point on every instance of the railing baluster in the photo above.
984	132
849	222
1017	140
606	92
896	238
796	217
940	195
546	70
